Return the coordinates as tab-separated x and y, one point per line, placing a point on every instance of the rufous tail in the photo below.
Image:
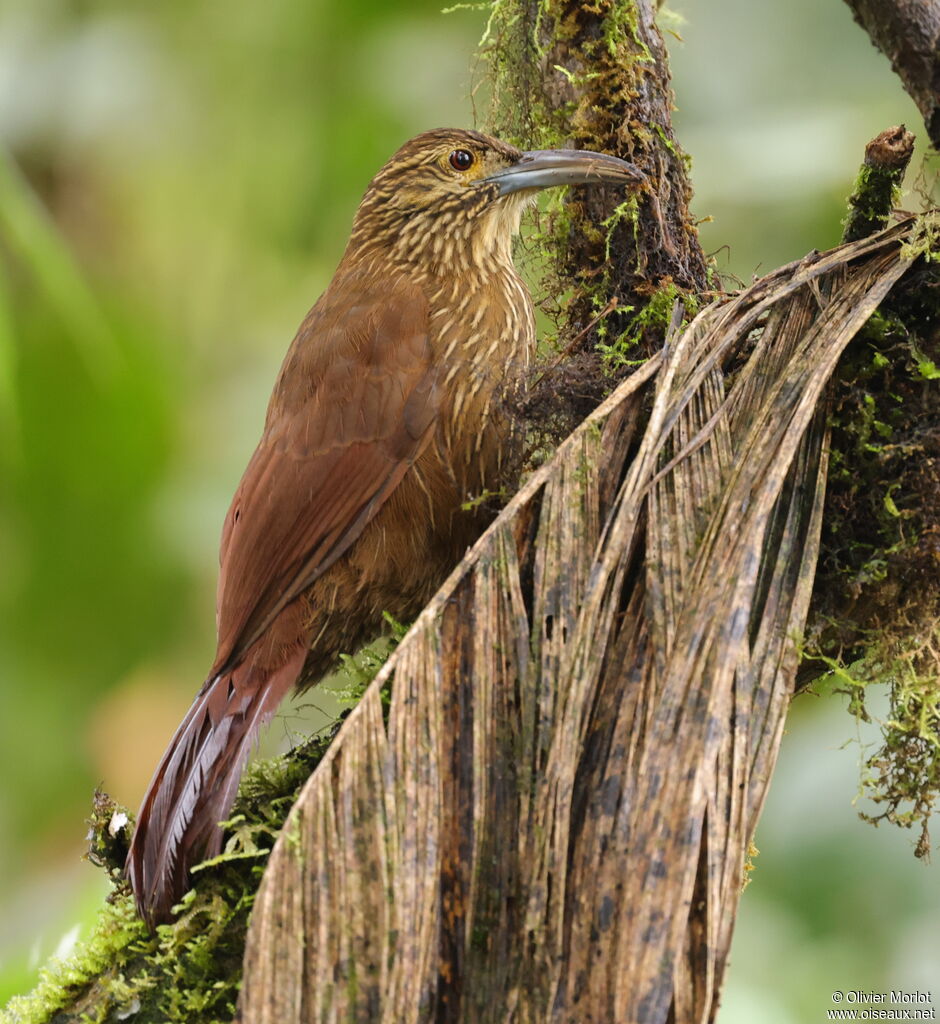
195	783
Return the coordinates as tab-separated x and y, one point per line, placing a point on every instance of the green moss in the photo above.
626	213
653	318
876	604
870	509
190	970
902	779
358	670
877	191
116	930
566	73
484	498
925	239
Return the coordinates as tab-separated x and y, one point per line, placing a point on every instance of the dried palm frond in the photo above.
552	823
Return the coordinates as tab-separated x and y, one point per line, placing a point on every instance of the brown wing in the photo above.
354	406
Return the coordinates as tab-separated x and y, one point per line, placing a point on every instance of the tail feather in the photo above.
195	783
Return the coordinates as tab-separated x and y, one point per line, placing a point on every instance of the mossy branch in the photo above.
190	971
875	621
878	185
596	76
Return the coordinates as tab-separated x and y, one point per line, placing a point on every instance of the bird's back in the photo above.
479	345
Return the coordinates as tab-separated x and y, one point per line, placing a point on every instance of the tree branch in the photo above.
908	33
597	76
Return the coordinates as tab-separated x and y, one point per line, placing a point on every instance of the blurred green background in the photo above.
177	181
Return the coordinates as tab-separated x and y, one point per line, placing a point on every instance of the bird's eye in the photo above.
461	159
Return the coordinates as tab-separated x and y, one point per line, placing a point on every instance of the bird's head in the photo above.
450	198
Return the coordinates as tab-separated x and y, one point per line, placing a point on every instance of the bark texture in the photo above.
596	76
908	33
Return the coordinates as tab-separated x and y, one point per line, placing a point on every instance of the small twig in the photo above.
878	184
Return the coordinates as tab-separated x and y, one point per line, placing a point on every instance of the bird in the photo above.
384	424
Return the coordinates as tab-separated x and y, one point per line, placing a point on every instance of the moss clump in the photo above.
902	778
883	515
116	932
652	321
877	599
925	239
190	970
877	191
358	670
